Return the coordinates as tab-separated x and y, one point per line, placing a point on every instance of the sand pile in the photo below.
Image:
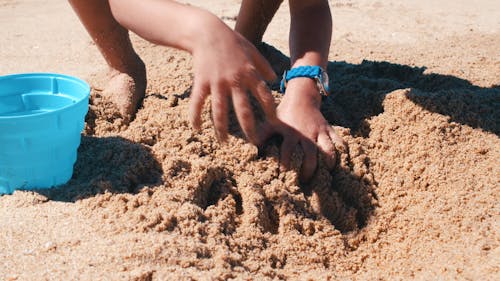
161	199
415	197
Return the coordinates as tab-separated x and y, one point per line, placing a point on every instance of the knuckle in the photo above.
237	80
221	85
250	69
238	77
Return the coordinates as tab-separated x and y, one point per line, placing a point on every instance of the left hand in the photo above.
301	123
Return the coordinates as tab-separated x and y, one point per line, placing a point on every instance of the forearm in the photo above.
165	22
254	17
310	32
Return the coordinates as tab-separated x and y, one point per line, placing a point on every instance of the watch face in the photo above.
324	80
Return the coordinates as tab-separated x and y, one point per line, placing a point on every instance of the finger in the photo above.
220	112
263	95
310	161
244	113
265	132
286	151
261	64
328	149
338	142
197	100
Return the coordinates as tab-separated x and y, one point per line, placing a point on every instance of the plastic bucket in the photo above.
41	118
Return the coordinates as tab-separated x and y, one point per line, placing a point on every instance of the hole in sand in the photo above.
272	222
215	185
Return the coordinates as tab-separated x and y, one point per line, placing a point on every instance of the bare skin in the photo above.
301	122
227	70
127	73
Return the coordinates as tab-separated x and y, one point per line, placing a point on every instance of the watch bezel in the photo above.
323	82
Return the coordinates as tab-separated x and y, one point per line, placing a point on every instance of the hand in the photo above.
301	123
227	66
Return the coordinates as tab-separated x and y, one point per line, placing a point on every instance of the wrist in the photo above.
308	83
208	30
303	90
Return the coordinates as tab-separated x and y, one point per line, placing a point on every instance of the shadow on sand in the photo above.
117	165
111	164
357	93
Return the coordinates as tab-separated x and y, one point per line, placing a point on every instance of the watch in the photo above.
314	72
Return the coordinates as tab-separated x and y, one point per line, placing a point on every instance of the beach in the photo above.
415	95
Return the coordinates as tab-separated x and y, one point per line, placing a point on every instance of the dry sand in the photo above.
416	97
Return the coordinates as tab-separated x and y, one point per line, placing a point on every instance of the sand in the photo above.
416	97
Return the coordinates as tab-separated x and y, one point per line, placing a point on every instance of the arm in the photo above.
310	32
164	22
225	64
301	122
254	17
310	35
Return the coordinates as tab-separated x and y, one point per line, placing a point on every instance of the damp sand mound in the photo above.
416	195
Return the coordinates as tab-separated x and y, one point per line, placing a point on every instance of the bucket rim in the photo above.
48	75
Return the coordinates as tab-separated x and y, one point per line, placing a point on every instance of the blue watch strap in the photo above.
308	71
303	71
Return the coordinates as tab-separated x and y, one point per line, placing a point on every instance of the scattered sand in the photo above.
416	196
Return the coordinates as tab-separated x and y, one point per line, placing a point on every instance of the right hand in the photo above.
227	66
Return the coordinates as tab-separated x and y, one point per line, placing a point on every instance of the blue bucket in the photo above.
41	118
